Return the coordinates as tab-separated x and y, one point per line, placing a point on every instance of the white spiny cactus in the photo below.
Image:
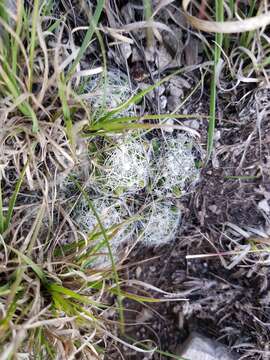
115	219
163	168
160	222
126	168
115	92
174	166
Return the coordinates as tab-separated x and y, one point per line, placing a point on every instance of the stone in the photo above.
199	347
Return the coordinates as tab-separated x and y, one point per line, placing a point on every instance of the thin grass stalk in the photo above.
128	119
148	16
35	16
88	37
157	351
246	38
14	197
213	90
62	87
228	37
12	87
104	73
136	98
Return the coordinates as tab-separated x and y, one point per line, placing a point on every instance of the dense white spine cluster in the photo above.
127	167
160	223
174	166
135	169
163	170
113	216
111	93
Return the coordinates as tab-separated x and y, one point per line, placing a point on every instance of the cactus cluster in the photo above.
137	190
137	180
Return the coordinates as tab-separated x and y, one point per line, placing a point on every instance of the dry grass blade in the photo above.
227	27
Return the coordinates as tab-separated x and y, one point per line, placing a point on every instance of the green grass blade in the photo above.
88	36
5	289
213	91
12	88
212	116
61	303
35	16
246	38
4	322
66	109
13	198
8	79
128	120
37	270
148	14
136	98
55	288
